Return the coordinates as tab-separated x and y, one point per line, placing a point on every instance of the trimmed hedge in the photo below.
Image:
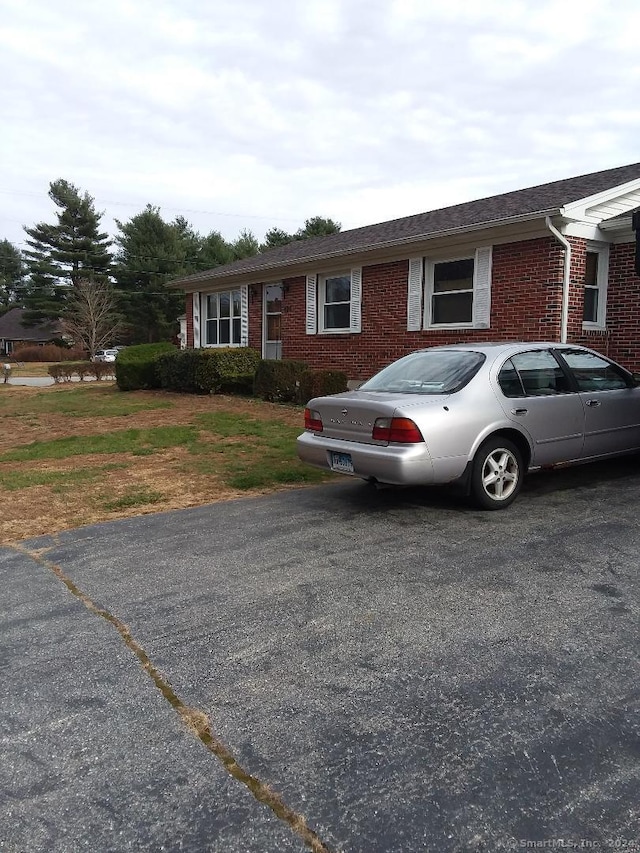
319	383
279	381
229	369
137	368
177	370
209	371
64	371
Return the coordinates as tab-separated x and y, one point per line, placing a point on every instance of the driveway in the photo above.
335	669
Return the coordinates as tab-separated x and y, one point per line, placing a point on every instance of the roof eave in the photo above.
191	283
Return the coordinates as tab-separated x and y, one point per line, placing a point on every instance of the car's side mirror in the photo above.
636	378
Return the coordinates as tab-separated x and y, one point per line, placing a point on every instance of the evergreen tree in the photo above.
213	251
62	254
317	226
152	252
276	237
11	274
245	246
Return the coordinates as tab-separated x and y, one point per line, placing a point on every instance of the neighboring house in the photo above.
556	262
13	334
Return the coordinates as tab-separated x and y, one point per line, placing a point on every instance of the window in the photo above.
509	381
335	299
333	302
452	297
593	373
427	372
595	287
590	314
532	374
273	295
223	318
455	292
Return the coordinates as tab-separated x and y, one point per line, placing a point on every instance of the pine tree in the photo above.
275	237
245	245
64	253
11	274
152	252
317	226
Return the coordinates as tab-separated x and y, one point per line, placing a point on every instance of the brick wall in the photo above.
623	306
255	317
189	311
526	297
621	338
597	339
526	304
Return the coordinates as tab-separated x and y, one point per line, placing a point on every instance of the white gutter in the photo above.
566	275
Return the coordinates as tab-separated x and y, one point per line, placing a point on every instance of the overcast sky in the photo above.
254	113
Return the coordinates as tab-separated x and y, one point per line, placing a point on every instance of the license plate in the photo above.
342	462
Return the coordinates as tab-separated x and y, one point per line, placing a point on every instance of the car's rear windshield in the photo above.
427	372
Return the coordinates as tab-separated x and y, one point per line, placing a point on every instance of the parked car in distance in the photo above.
105	355
479	416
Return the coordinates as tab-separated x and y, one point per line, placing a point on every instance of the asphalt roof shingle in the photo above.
544	198
12	329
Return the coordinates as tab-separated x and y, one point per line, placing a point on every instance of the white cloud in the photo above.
258	114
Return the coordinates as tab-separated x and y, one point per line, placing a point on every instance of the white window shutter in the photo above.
356	300
482	289
429	273
312	304
414	295
244	315
196	319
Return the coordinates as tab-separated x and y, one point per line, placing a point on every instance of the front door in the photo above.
272	321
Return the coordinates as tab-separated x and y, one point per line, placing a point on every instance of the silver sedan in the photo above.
479	416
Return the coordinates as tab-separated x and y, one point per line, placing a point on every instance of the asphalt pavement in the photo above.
335	668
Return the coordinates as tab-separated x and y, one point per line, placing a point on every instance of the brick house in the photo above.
556	262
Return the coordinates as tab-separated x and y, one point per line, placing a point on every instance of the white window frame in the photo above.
316	302
602	283
265	316
243	317
482	258
322	302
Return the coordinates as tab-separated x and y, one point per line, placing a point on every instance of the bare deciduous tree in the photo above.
90	318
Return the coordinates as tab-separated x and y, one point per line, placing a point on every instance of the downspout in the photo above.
566	277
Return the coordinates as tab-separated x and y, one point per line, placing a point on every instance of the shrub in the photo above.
58	372
318	383
98	369
136	366
279	381
229	369
177	370
208	371
49	352
64	371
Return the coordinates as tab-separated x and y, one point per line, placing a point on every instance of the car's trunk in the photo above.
351	417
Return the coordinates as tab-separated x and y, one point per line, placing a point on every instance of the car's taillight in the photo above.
312	420
399	430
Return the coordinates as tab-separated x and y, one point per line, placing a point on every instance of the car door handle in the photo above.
593	403
519	411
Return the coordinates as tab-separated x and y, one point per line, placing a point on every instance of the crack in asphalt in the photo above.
194	719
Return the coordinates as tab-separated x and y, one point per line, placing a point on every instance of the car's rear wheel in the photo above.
497	474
